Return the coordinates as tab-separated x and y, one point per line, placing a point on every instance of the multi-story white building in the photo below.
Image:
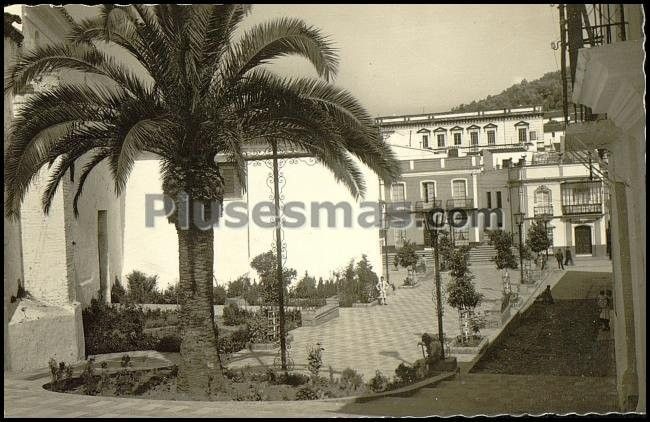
498	159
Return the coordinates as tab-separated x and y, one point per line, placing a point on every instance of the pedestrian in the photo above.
603	307
560	257
568	258
381	288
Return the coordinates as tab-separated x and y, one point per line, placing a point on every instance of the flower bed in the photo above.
473	345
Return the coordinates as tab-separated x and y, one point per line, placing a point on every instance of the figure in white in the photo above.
381	288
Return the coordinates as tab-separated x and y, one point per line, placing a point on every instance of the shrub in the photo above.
143	288
315	359
293	379
219	295
233	342
91	382
118	293
378	383
307	393
234	315
258	327
405	374
351	379
109	329
171	344
60	375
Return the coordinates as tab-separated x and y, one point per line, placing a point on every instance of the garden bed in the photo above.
472	346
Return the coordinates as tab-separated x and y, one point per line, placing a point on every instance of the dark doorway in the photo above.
102	250
583	240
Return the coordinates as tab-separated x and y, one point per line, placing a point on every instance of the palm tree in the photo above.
200	92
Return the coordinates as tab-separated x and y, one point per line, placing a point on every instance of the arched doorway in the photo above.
583	240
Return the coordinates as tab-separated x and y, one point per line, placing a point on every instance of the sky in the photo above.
418	58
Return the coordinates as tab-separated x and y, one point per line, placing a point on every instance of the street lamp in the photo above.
431	224
519	219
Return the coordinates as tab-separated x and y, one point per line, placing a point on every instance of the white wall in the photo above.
316	250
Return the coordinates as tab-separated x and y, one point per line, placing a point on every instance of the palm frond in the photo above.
94	161
277	38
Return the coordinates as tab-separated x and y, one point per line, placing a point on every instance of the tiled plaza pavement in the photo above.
380	337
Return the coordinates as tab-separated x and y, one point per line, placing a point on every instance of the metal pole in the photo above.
521	248
278	255
441	335
565	101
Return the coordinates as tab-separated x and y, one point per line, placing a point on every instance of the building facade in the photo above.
503	160
62	261
606	57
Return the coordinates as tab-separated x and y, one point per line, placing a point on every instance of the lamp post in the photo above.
431	224
519	219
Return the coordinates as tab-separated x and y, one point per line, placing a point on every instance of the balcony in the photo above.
542	210
460	203
582	209
428	205
582	197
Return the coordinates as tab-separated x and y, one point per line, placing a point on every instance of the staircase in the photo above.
482	254
492	394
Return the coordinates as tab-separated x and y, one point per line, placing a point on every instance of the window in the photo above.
397	193
474	138
441	140
522	135
499	199
533	135
425	141
428	191
542	196
230	181
457	138
491	135
400	236
459	189
489	199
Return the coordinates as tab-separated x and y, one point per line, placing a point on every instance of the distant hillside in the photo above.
545	91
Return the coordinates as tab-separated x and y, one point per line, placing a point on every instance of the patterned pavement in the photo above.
379	337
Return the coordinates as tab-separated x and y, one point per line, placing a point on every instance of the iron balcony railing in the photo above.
428	205
582	209
460	203
542	210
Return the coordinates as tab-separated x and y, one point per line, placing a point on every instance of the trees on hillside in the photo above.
545	91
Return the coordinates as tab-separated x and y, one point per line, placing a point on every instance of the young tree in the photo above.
407	258
239	287
461	292
367	280
219	295
142	288
203	88
446	250
502	241
538	239
265	265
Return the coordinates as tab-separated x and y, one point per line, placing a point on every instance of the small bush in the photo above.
378	383
171	344
234	315
118	293
315	359
307	393
113	329
60	375
351	379
405	374
293	379
91	382
126	381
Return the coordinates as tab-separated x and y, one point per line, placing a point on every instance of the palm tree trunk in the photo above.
199	369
